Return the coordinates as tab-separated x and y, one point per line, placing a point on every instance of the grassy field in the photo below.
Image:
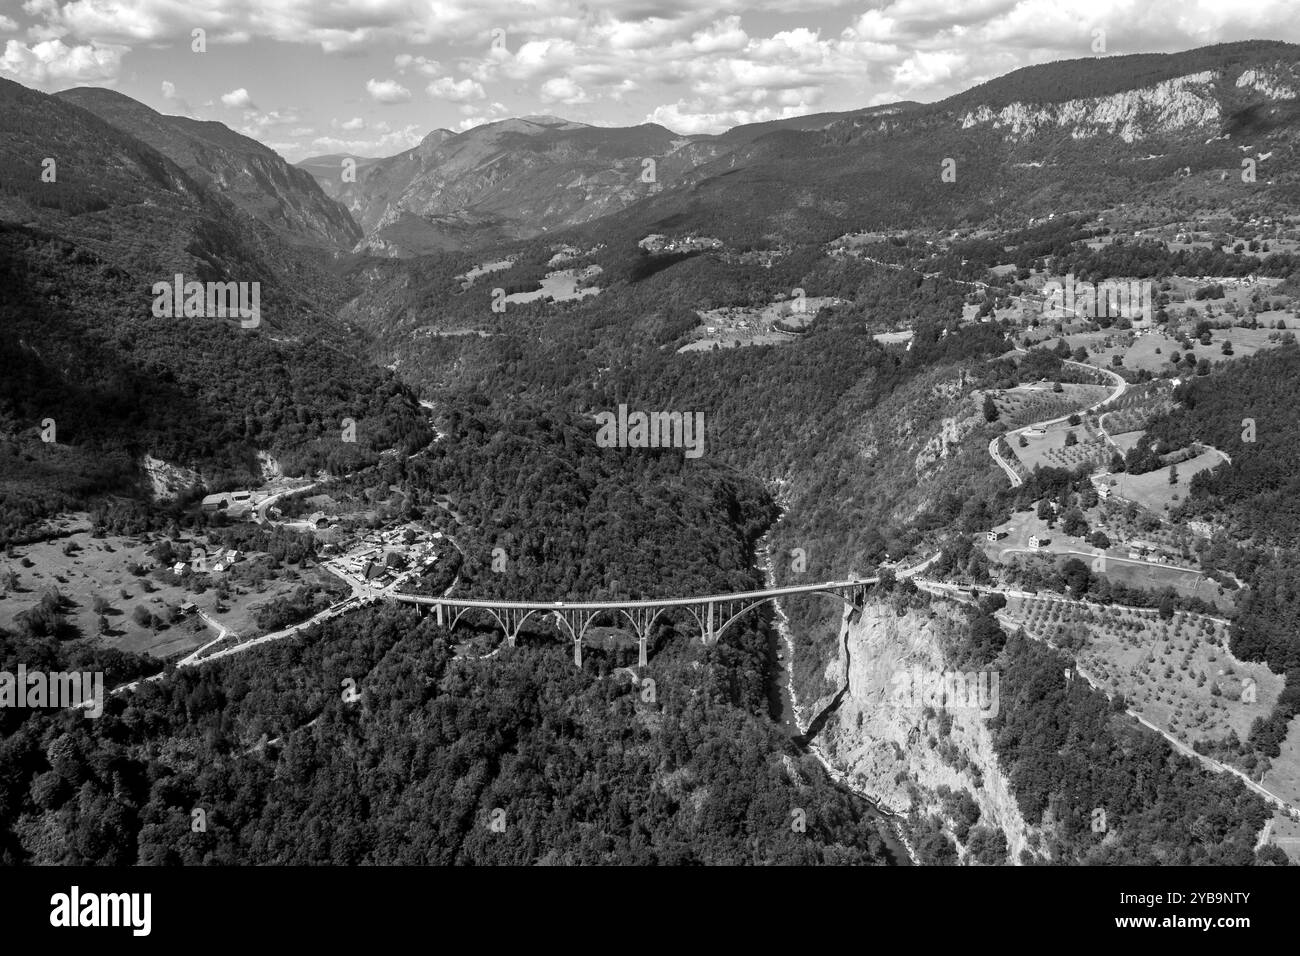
1013	547
1283	778
83	568
1050	450
1153	490
740	327
1032	403
1167	670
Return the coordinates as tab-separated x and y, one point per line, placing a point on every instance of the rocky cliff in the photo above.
904	755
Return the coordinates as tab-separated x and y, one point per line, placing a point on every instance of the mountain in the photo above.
1044	139
511	179
81	344
327	170
253	176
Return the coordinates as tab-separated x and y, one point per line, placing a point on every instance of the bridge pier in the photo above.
642	656
708	636
441	623
577	652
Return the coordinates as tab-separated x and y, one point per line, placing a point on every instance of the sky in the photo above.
373	77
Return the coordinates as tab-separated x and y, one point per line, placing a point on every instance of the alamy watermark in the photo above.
208	300
652	430
54	689
1113	298
918	688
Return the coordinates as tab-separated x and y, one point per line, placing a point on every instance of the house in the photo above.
1035	542
996	535
189	607
1103	490
178	568
228	501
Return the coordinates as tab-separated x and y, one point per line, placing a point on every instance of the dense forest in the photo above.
517	759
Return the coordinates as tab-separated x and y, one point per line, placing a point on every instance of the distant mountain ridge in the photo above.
253	176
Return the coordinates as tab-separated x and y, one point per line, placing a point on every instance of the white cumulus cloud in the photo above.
55	61
387	91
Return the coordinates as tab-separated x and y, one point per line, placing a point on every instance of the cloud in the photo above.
405	61
8	25
696	117
238	99
53	60
563	90
353	124
473	117
388	144
387	91
445	88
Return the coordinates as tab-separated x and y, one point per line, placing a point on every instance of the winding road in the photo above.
1121	386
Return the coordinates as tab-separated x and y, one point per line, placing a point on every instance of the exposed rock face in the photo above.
887	748
252	176
1276	83
1195	103
1185	102
167	481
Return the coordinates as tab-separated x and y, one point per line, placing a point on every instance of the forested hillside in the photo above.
81	346
585	766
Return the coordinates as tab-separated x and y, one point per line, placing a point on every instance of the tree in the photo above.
990	408
1071	439
1173	474
1074	523
1166	608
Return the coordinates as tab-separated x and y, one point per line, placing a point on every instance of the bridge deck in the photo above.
642	603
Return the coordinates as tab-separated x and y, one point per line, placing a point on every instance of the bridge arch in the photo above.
852	600
476	607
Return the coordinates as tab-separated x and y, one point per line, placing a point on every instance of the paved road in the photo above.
1121	386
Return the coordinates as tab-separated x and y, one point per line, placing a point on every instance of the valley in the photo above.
991	524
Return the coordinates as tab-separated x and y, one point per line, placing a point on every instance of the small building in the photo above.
1103	490
189	607
1035	542
178	568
